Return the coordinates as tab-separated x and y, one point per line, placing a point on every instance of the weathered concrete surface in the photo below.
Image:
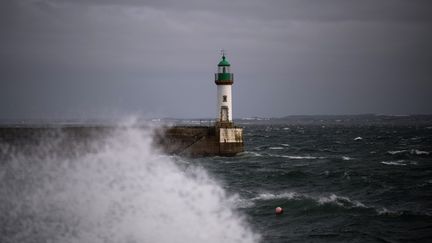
201	141
230	135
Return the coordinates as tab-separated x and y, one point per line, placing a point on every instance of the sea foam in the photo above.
302	157
276	148
419	152
412	151
320	200
397	162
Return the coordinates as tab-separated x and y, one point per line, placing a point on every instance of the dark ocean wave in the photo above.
327	204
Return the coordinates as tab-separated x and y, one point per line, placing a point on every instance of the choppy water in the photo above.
335	183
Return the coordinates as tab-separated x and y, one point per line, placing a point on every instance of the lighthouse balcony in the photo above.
224	76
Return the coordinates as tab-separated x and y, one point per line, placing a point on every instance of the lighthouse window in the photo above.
224	98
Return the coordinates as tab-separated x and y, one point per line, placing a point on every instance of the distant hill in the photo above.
362	119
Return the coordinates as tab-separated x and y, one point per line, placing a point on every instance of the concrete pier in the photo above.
200	141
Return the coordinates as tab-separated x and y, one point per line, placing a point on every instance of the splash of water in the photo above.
120	192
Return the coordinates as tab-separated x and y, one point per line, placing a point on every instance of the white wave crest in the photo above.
276	148
340	201
396	152
385	211
412	151
271	196
330	199
419	152
346	158
301	157
397	162
250	154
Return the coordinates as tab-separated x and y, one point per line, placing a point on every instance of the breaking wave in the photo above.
320	200
250	154
397	162
121	192
271	196
276	148
412	152
302	157
312	202
341	201
419	152
396	152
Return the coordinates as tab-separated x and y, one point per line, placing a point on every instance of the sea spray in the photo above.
119	191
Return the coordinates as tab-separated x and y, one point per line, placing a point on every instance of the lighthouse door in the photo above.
224	113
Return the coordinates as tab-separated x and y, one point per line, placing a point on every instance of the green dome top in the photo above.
224	62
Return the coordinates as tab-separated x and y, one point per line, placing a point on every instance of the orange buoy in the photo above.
279	210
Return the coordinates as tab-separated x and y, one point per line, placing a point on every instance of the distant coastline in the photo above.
361	119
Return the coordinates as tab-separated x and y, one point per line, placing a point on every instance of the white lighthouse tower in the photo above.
223	139
224	80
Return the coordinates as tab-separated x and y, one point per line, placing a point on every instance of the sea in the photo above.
337	181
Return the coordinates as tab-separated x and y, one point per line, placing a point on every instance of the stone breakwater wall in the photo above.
71	140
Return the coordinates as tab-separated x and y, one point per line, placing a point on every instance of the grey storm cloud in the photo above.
95	58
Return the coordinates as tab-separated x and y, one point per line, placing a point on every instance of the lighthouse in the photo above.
224	80
222	139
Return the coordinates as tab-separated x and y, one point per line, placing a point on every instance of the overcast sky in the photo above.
94	59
